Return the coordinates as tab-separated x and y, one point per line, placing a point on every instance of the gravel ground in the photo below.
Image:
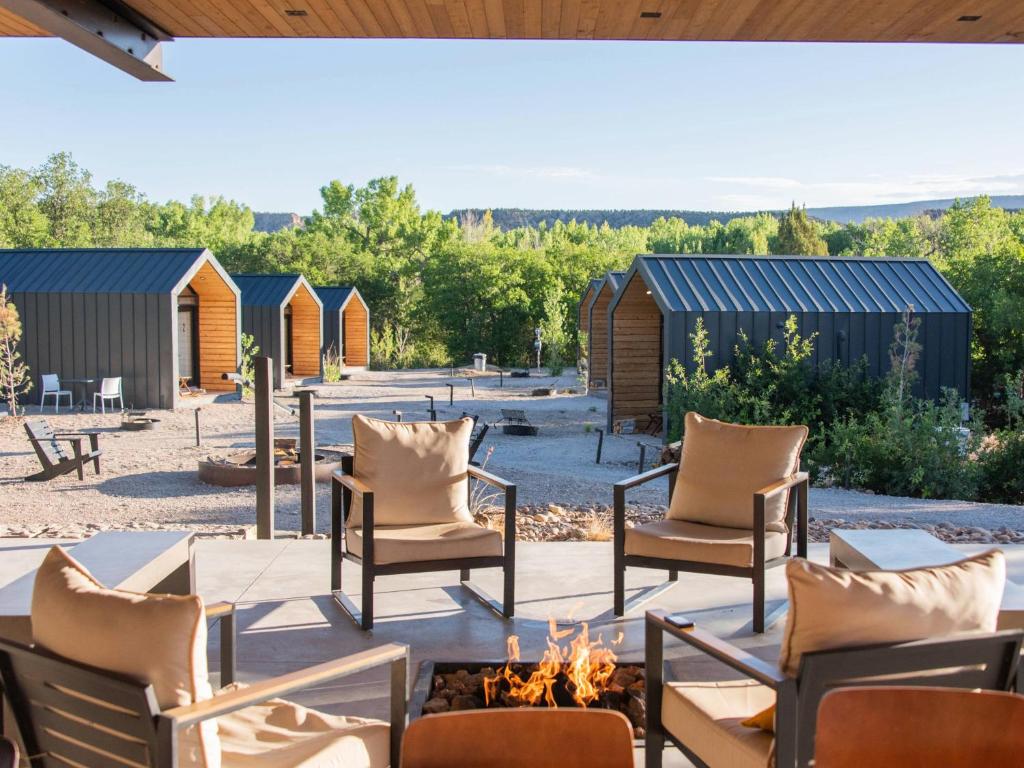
149	478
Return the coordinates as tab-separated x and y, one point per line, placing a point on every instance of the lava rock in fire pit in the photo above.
436	706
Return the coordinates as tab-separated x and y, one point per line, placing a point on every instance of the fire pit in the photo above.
239	468
137	421
583	673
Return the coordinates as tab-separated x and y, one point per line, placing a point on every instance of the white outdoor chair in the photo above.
51	388
110	389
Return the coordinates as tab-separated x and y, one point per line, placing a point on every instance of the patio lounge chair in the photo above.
116	678
929	626
400	505
919	726
513	738
51	388
52	456
732	500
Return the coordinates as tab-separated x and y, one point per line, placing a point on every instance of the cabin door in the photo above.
188	347
288	345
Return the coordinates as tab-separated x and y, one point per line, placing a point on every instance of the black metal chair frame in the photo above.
973	660
344	484
73	714
51	456
796	488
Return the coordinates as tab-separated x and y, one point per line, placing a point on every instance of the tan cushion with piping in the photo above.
280	734
723	465
832	608
707	716
160	639
416	543
416	470
678	540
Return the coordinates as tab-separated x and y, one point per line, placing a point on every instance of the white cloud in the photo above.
530	172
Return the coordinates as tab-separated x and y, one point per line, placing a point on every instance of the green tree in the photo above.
14	378
68	201
798	236
22	223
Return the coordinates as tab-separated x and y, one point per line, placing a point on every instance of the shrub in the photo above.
14	378
249	351
332	365
1000	464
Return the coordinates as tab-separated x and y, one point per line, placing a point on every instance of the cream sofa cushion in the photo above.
416	470
280	734
832	608
160	639
707	716
679	540
416	543
723	465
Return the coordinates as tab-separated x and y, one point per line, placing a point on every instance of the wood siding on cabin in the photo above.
636	363
356	325
597	357
306	327
583	315
218	330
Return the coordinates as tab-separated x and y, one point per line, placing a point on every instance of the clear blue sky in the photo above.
538	125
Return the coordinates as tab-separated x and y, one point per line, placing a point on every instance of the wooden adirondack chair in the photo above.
52	455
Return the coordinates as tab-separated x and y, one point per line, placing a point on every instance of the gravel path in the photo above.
148	478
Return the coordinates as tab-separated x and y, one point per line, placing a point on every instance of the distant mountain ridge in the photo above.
510	218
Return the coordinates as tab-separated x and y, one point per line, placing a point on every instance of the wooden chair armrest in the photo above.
484	476
727	653
350	482
74	434
782	485
257	693
216	610
646	477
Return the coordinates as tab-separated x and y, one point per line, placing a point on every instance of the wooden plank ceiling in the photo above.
894	21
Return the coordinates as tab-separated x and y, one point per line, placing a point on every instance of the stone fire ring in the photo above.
139	424
233	475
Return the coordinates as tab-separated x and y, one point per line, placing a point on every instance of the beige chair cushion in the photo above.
832	608
707	717
723	465
678	540
416	543
160	639
280	734
416	470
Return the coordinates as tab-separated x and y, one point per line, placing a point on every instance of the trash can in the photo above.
479	362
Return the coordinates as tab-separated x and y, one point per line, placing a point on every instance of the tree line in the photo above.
442	289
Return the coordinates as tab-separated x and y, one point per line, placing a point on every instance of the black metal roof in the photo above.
614	279
797	284
593	285
96	270
333	296
265	290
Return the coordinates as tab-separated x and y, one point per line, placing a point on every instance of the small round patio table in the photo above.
84	383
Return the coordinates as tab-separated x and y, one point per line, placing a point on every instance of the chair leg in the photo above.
508	600
367	617
464	574
619	607
759	601
673	575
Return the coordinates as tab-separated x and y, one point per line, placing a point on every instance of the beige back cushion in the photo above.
159	639
723	465
832	608
417	470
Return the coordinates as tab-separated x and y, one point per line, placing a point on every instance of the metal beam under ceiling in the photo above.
108	30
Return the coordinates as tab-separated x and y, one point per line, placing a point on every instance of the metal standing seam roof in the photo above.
593	285
798	284
265	290
333	296
96	270
614	279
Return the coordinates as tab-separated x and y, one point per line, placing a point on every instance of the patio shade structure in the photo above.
130	33
346	324
284	316
597	313
148	315
851	304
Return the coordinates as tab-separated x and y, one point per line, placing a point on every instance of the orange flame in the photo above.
586	665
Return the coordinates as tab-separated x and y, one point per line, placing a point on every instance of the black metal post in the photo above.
433	411
472	386
264	387
600	445
501	379
643	456
451	394
307	476
199	438
398	415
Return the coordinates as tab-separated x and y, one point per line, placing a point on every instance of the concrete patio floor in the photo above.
288	620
